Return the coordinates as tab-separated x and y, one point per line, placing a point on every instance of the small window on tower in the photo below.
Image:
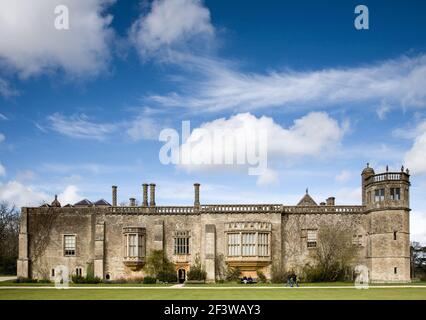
53	273
379	195
395	194
395	270
312	239
394	235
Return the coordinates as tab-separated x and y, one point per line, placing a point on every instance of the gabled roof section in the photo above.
84	203
307	200
102	202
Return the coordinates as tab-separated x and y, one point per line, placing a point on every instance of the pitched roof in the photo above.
102	202
83	202
307	200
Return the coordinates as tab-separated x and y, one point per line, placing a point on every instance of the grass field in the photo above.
342	293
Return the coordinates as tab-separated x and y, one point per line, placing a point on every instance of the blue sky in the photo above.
81	109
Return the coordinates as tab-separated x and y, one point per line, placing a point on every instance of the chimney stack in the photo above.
132	202
145	195
114	196
330	201
196	194
152	195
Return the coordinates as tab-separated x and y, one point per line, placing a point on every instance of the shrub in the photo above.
167	276
197	272
261	277
88	279
159	267
149	280
278	274
25	280
233	274
44	281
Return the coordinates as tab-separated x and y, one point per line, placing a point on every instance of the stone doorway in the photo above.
181	275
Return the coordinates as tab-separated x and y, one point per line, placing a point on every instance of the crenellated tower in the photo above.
386	198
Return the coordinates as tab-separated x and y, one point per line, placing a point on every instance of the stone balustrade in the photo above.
205	209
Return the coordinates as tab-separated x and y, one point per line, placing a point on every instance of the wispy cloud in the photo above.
79	126
219	85
6	91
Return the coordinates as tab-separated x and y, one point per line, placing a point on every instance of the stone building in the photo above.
115	240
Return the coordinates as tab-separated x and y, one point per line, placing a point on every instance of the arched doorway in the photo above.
181	275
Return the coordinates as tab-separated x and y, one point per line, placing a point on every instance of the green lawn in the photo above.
216	294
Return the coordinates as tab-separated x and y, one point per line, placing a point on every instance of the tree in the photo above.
334	254
9	238
418	260
158	266
197	271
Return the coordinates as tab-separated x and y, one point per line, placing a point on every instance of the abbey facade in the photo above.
114	241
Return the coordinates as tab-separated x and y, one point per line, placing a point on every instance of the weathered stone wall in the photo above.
296	254
100	239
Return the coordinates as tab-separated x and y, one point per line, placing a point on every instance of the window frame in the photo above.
246	244
182	242
395	193
64	243
379	195
312	242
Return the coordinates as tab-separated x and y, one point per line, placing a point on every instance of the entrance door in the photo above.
182	275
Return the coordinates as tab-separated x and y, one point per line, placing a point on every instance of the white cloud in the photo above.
143	128
3	117
20	195
2	137
217	85
6	91
69	195
414	159
30	43
79	126
344	176
418	226
315	134
170	24
268	177
2	170
382	110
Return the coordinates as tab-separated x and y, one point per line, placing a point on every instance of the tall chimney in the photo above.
196	194
145	195
152	195
330	201
114	196
132	202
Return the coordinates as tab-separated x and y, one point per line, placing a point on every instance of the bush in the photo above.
261	277
159	267
233	274
149	280
278	274
87	280
25	280
197	272
167	276
318	273
8	265
44	281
